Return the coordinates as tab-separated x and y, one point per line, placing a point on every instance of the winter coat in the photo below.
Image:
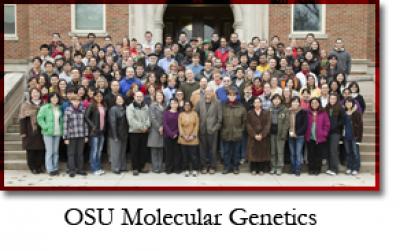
300	122
233	121
357	126
188	124
45	119
118	125
211	119
156	119
344	59
283	123
258	151
138	117
189	88
322	127
92	117
28	126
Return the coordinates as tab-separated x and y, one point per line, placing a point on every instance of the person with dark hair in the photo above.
188	124
36	69
234	42
91	39
222	52
118	135
318	127
138	117
336	116
333	67
75	136
278	133
128	81
258	129
233	124
353	133
95	117
297	129
355	94
32	140
171	134
56	46
50	120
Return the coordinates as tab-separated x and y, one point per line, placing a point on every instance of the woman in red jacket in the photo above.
222	52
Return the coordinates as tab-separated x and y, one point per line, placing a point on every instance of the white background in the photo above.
346	221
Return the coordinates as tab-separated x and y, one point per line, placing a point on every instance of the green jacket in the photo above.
233	122
45	119
283	123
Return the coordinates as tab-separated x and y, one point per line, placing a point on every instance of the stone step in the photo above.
11	137
15	155
368	156
13	129
13	146
367	147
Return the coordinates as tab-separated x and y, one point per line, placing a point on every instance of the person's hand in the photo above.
258	137
175	136
66	142
23	135
292	134
190	138
86	139
161	130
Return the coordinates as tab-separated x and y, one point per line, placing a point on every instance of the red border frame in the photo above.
375	188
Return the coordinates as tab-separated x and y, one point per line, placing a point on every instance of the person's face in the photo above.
276	101
250	48
239	74
91	39
232	97
283	63
340	77
62	85
76	103
263	59
305	67
174	104
139	97
54	80
130	73
354	89
217	77
196	60
203	83
234	38
267	89
257	104
286	93
189	75
314	45
308	55
98	97
179	95
288	51
189	52
332	100
217	63
187	107
223	42
159	97
309	39
54	100
346	93
215	37
348	105
334	86
274	82
300	51
208	66
311	82
333	61
114	86
248	91
208	94
226	81
263	44
49	68
56	38
81	92
324	89
270	51
339	44
182	38
306	96
295	104
314	104
36	63
148	37
272	63
168	40
290	84
139	71
167	52
119	101
171	82
44	51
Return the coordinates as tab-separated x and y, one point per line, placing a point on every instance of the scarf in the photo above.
292	117
30	109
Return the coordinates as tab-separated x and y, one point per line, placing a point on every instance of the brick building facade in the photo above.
35	23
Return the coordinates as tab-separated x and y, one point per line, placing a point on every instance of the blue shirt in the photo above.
125	84
195	68
222	94
165	63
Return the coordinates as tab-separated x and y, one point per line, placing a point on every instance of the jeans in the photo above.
352	155
231	155
51	144
96	148
156	158
296	153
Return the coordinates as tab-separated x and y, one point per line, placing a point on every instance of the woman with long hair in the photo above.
171	134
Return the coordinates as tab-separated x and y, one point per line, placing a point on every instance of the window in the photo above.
88	18
10	21
308	18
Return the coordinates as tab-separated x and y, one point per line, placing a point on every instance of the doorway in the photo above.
198	20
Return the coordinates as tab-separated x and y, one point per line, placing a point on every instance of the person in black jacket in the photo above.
95	117
118	135
336	113
297	128
355	93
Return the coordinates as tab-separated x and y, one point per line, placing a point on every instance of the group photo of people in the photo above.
191	106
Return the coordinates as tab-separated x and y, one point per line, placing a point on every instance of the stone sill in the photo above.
10	38
84	34
303	35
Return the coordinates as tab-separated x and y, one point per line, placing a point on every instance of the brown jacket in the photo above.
258	151
33	139
188	124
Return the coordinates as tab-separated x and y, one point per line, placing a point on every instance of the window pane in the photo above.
307	17
9	19
89	17
208	31
188	29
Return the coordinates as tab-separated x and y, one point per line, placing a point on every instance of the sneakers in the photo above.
242	161
187	173
236	171
272	172
194	173
261	173
330	172
279	172
71	174
204	171
99	172
135	172
348	171
212	171
354	172
225	171
53	173
253	173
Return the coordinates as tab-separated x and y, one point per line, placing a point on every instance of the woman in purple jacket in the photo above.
317	133
171	133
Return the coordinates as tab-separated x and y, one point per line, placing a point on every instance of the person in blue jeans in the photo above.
95	117
234	117
50	119
297	128
353	133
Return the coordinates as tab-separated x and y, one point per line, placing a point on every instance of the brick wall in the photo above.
17	49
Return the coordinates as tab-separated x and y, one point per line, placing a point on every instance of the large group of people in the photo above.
188	105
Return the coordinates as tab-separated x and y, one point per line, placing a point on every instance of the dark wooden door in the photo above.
198	20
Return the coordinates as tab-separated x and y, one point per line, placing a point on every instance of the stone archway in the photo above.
249	20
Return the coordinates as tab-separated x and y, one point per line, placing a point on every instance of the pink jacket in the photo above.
323	126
